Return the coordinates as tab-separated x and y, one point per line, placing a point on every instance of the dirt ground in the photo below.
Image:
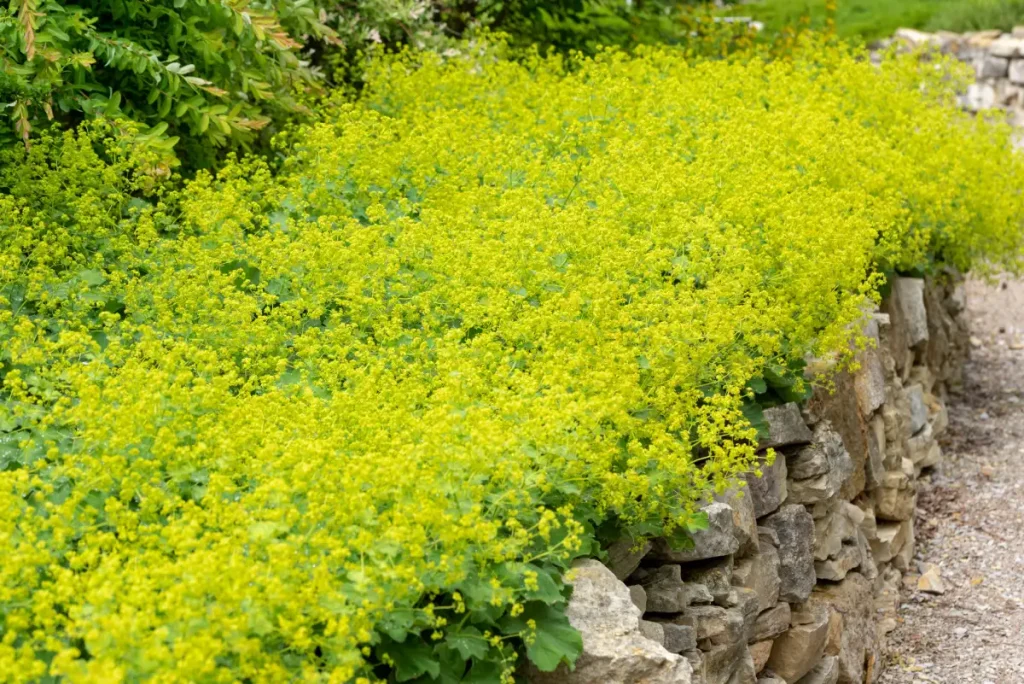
971	517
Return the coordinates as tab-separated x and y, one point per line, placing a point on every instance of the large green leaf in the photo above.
412	659
554	641
469	642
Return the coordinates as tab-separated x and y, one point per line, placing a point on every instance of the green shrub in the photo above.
203	76
213	71
351	421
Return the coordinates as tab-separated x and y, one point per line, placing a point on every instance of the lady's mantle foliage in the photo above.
352	422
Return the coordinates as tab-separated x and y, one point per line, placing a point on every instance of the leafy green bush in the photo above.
214	71
207	75
351	421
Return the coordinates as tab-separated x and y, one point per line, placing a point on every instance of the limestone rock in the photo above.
947	349
911	296
837	526
923	376
810	461
854	513
795	528
840	409
931	459
869	381
679	638
896	497
825	672
979	97
896	336
639	597
852	598
825	463
937	415
614	649
874	465
746	670
834	641
785	427
994	67
653	631
983	39
897	428
666	591
771	679
624	556
743	518
743	602
696	660
919	445
930	580
761	574
772	622
915	39
796	652
887	600
766	535
719	539
716	625
828	532
714	575
836	567
1007	46
940	325
918	409
760	652
868	567
890	540
869	525
724	661
768	491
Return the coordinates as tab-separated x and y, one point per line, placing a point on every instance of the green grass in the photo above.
973	15
871	19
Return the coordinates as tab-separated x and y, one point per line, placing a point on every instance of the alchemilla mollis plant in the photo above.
352	420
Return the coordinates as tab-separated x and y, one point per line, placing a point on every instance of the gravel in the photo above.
971	517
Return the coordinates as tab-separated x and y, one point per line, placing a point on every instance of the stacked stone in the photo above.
997	59
796	579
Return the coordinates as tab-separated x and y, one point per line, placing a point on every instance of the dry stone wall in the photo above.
998	62
796	579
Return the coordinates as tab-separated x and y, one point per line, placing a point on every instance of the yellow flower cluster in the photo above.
349	420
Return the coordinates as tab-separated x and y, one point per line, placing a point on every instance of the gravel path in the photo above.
970	520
